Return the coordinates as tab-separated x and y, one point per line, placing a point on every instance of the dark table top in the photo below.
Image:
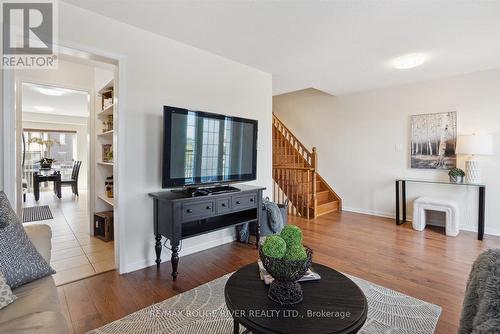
334	304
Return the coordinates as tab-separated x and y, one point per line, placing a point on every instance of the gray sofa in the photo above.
37	309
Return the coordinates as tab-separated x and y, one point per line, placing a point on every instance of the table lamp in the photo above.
473	145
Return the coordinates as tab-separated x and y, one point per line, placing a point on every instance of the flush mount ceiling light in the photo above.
51	91
43	108
409	61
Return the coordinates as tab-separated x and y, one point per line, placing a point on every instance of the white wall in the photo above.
57	122
157	71
357	134
68	75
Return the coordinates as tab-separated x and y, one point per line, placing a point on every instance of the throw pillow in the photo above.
20	262
7	214
6	295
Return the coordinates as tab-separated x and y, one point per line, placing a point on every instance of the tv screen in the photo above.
203	148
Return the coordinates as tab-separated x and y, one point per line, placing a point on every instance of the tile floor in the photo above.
75	254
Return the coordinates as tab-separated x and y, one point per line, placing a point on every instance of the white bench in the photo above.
450	208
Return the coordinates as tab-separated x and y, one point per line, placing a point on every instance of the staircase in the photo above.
296	177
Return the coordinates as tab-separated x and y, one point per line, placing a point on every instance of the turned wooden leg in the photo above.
175	261
158	250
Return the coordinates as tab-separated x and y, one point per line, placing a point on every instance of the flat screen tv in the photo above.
202	148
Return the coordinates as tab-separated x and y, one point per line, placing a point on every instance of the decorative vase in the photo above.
457	179
285	288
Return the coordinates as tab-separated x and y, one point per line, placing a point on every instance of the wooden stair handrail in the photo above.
290	137
294	168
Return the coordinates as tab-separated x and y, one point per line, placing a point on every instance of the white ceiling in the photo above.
335	46
51	100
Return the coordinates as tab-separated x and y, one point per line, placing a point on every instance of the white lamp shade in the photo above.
475	145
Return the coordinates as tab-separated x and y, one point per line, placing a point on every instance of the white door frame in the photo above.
10	134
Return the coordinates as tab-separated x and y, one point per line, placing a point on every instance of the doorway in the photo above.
57	164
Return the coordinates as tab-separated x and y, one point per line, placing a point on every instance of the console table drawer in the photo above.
223	205
198	210
243	201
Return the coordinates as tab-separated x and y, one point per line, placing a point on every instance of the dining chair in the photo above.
73	182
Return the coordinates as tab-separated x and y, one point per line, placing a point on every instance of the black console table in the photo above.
481	206
178	215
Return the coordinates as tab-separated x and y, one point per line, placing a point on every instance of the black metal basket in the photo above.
285	289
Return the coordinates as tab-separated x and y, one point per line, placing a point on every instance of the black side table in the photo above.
332	305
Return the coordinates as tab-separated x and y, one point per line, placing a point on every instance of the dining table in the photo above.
41	175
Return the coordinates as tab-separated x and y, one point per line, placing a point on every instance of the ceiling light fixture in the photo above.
43	108
51	91
409	61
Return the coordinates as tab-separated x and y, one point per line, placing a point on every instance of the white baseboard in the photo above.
185	251
489	231
370	212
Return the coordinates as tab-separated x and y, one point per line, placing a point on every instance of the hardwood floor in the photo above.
426	265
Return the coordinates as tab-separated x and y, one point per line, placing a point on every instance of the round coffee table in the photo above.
334	304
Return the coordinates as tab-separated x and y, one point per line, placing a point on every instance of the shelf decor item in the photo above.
107	153
287	260
107	102
109	123
456	175
474	145
103	225
109	187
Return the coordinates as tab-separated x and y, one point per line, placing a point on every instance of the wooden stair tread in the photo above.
327	207
325	201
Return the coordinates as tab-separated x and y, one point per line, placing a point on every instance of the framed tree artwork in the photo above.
433	141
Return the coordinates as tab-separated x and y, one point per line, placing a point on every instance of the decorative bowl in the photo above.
285	289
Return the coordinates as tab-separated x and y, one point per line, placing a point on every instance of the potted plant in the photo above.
48	143
456	175
46	163
287	260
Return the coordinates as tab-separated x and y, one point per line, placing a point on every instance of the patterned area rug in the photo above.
203	311
35	213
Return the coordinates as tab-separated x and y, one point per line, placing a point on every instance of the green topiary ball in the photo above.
274	246
295	253
292	235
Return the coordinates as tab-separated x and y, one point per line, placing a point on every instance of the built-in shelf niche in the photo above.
105	141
